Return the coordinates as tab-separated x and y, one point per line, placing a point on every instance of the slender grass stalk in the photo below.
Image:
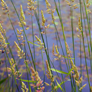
46	40
60	19
11	55
42	63
84	43
85	59
72	33
12	70
91	51
59	6
43	69
48	58
38	7
88	23
74	88
28	78
25	35
15	33
87	41
42	38
33	34
71	10
27	70
7	73
80	62
57	37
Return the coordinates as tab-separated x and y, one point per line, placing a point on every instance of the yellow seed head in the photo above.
72	0
20	52
2	30
2	3
18	32
88	5
71	63
47	3
2	41
56	50
31	5
81	79
22	13
17	46
91	88
75	6
68	3
24	88
82	87
47	84
77	83
77	29
52	17
37	39
87	1
53	49
79	24
48	68
43	18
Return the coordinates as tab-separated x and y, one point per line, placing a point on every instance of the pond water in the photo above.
66	18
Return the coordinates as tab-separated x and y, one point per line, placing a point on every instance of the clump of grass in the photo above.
38	83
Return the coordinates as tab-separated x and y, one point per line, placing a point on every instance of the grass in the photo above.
23	72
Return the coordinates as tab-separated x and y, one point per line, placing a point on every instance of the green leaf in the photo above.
34	44
62	83
67	57
3	80
7	43
27	80
59	86
69	72
58	71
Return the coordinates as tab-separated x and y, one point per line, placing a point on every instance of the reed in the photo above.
23	70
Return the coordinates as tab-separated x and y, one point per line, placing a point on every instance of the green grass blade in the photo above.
34	44
3	80
27	80
59	86
62	83
62	72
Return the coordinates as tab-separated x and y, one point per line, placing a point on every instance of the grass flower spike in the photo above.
2	30
43	18
31	5
39	42
22	17
2	41
22	13
49	74
82	87
24	88
20	52
35	77
4	6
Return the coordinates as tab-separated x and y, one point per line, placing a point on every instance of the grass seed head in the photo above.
82	87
